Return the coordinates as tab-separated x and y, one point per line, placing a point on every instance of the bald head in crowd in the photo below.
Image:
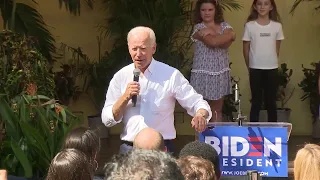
149	138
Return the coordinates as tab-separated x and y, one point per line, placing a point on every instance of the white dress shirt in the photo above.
160	86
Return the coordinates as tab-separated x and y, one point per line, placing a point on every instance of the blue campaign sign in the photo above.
250	148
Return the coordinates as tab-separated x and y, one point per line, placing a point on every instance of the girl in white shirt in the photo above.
261	46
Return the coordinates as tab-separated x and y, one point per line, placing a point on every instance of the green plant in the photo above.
298	2
35	128
23	18
93	75
21	64
33	125
102	71
284	75
65	85
309	85
75	69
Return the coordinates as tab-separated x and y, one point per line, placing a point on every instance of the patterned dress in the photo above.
210	74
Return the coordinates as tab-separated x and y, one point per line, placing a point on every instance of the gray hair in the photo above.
152	35
141	164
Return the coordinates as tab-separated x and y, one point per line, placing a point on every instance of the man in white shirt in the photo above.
158	89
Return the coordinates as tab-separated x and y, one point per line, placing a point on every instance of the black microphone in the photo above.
136	74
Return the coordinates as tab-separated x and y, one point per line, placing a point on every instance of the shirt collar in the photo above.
151	66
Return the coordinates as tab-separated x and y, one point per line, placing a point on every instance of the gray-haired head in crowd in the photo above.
140	164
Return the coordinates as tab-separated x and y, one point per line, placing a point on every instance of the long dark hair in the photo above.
70	164
218	15
85	140
273	14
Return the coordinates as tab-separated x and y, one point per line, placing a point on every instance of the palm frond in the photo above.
230	5
74	6
298	2
30	22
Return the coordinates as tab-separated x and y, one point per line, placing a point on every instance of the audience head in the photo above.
196	168
70	164
307	163
149	138
141	164
85	140
203	150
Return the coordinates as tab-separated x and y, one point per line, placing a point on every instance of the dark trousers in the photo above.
264	86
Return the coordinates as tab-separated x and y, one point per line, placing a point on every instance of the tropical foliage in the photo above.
21	64
284	77
24	18
35	127
33	124
103	70
74	69
298	2
309	85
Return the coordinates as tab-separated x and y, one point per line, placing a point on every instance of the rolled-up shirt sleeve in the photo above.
113	94
187	97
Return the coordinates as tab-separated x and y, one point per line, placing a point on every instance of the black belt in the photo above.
131	143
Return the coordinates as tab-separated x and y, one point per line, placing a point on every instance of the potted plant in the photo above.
284	75
309	86
283	112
